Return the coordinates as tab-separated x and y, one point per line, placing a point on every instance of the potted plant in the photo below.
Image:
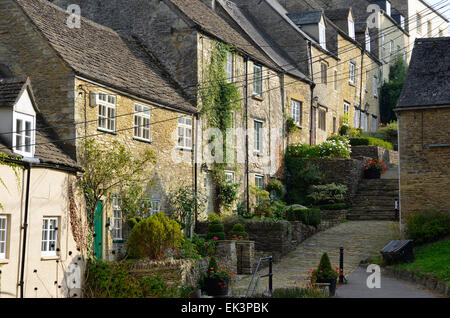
374	169
218	279
324	274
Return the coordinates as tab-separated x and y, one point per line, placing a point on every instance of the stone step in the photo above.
370	206
354	217
378	193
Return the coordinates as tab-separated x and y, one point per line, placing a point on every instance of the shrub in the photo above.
153	236
427	226
215	229
307	216
188	250
261	206
276	189
328	194
155	287
237	231
204	247
324	270
370	141
110	280
278	209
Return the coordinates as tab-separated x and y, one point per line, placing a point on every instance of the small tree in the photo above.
390	91
106	169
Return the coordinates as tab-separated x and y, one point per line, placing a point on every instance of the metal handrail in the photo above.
270	275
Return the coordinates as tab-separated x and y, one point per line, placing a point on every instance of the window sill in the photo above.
4	261
184	149
50	258
257	97
143	140
107	131
352	84
257	154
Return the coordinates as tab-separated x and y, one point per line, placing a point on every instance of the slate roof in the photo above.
99	53
242	18
428	79
45	150
10	90
210	22
337	14
306	17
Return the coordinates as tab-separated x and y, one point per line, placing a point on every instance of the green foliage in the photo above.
184	204
307	216
334	147
427	226
238	231
226	192
242	210
153	236
215	229
390	91
370	141
213	217
278	209
6	161
295	292
328	193
107	169
216	270
291	126
261	205
324	270
110	280
188	250
204	247
276	189
155	287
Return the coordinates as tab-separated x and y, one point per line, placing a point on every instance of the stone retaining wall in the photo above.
390	157
175	272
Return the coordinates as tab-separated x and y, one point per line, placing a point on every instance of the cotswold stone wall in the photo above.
344	171
175	272
390	157
424	148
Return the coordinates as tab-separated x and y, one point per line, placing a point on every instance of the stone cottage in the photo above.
92	82
423	113
42	241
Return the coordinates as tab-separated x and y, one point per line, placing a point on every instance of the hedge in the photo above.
370	141
306	216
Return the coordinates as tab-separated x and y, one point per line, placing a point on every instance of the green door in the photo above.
98	230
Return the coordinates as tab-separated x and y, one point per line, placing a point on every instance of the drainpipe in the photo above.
360	87
246	137
195	169
28	164
312	86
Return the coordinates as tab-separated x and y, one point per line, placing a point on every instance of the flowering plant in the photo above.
238	238
216	270
323	271
376	165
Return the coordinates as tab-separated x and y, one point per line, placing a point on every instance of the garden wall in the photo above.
344	171
175	272
390	157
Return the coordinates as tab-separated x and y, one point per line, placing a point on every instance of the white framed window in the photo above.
259	181
106	112
49	236
357	118
322	36
402	22
258	126
347	111
257	80
117	218
322	119
419	22
3	236
388	8
155	206
24	134
367	41
375	86
383	45
296	111
229	67
352	78
185	133
141	122
351	29
229	176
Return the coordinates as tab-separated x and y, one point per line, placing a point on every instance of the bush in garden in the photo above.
110	280
188	250
261	204
310	217
155	287
153	236
276	189
213	217
278	209
370	141
238	231
333	206
427	226
204	247
328	193
324	270
216	230
336	147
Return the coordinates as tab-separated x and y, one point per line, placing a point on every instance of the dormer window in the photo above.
402	22
23	140
351	29
367	41
322	36
388	8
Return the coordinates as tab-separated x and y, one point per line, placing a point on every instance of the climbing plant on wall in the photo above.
220	98
6	161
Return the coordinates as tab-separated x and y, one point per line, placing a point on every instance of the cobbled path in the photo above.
360	239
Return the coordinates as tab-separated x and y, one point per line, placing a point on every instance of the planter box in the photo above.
245	256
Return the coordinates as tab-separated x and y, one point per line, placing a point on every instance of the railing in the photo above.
270	275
